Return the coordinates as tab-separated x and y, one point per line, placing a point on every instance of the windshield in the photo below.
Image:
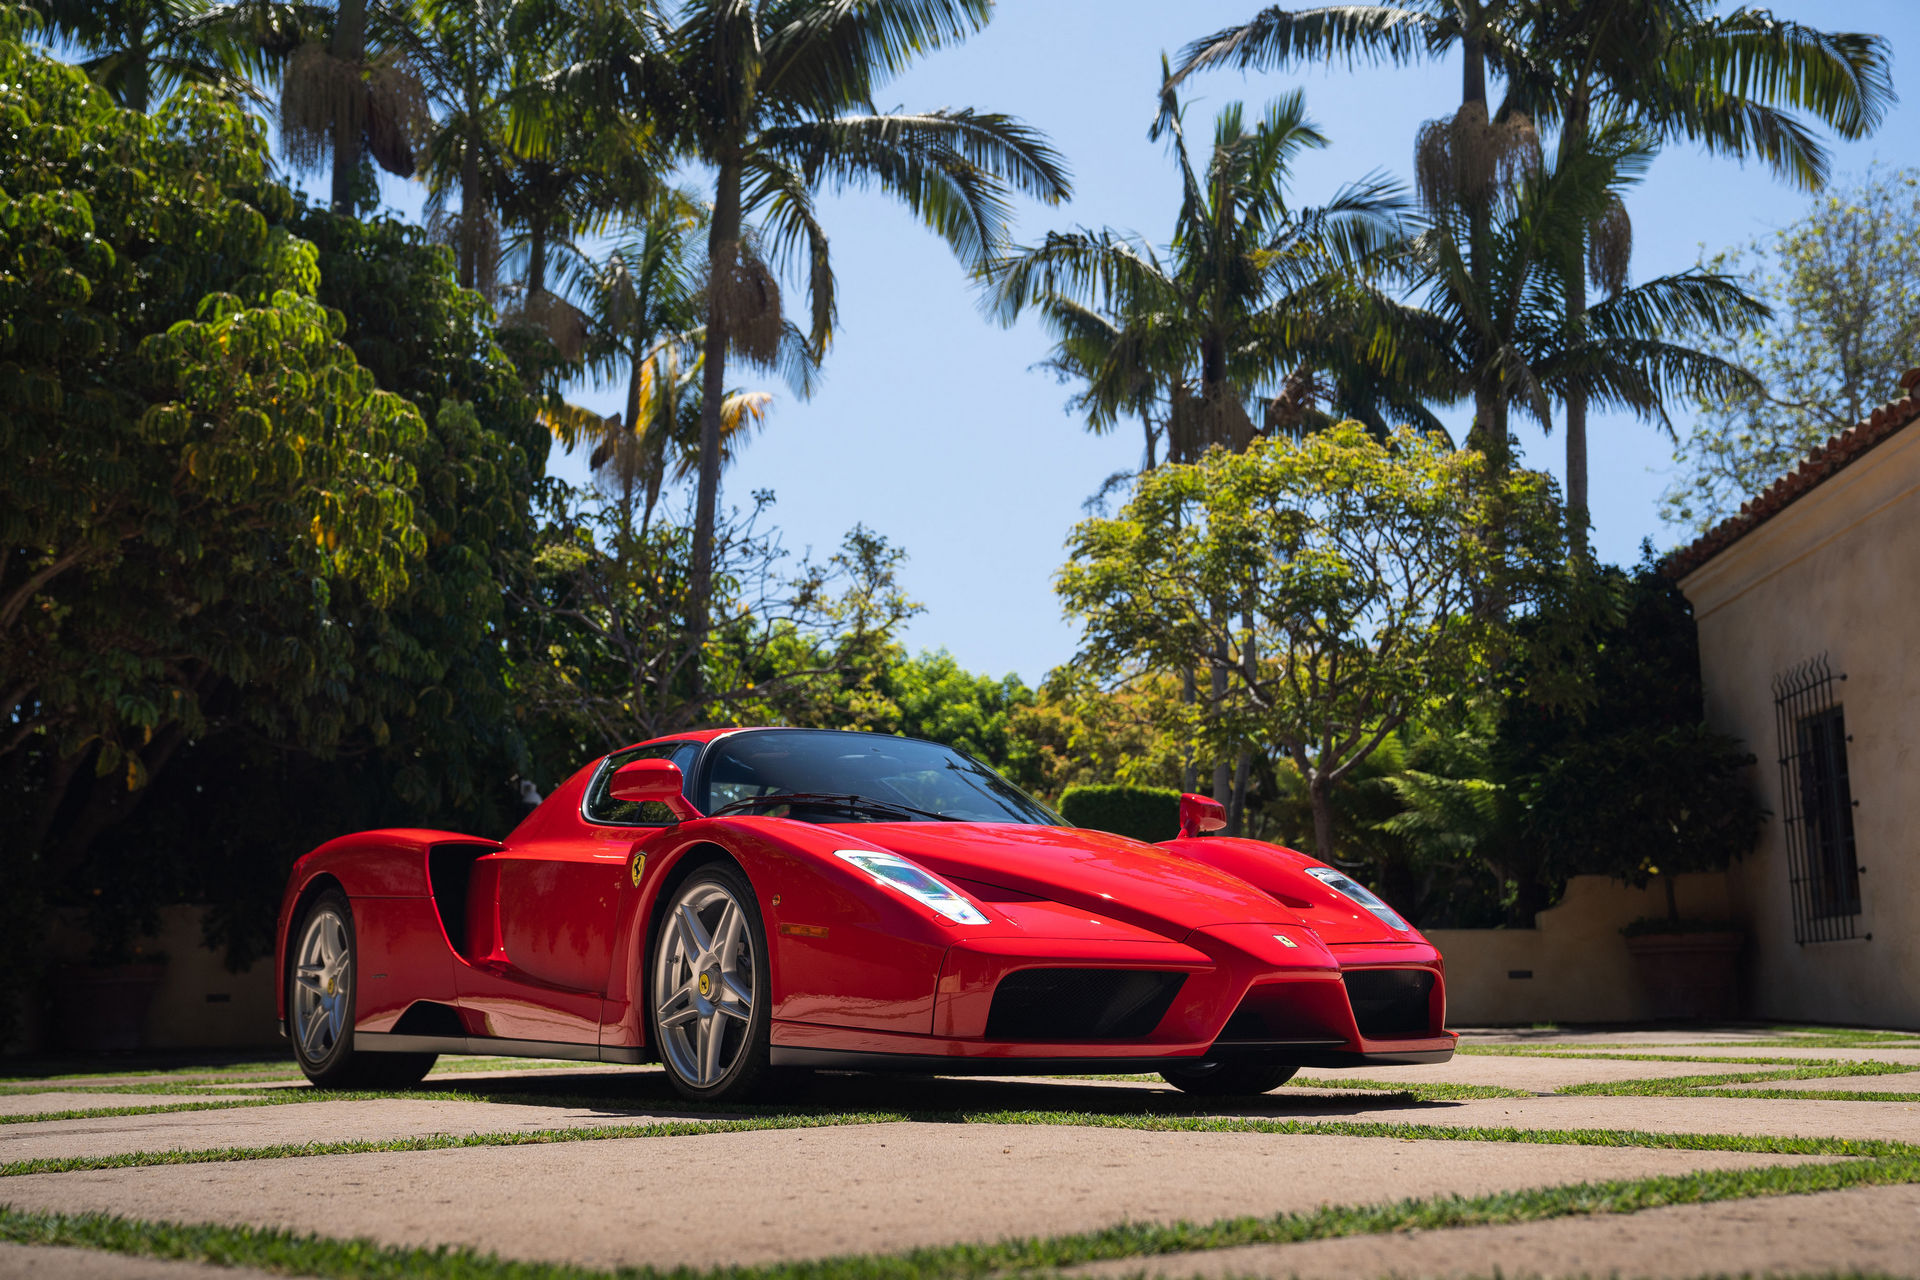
884	770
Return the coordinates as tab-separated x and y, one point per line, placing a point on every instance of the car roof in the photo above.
709	735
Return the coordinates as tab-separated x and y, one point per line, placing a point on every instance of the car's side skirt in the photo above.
387	1042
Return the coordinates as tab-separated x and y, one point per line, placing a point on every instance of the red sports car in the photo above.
736	902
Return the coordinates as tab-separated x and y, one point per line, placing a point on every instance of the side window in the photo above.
601	807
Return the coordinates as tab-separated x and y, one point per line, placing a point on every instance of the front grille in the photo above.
1391	1002
1080	1004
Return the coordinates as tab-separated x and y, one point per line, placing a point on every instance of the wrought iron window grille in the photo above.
1817	803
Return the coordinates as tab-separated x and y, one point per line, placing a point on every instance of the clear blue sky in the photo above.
932	426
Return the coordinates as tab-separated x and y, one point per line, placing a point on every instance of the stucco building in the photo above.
1809	609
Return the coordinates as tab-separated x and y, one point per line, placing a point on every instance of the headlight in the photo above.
1341	883
902	876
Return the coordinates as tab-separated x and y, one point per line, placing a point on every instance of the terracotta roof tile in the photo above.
1820	462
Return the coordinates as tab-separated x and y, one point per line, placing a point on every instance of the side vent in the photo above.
449	873
1080	1004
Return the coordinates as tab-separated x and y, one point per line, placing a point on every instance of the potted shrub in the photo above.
102	1007
1660	802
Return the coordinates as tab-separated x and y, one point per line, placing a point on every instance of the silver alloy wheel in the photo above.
703	983
322	985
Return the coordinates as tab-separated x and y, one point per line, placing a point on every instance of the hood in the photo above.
1107	875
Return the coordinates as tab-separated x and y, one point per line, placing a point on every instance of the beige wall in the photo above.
1836	572
1575	953
199	1004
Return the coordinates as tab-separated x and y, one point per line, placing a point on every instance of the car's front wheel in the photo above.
322	975
711	1015
1227	1079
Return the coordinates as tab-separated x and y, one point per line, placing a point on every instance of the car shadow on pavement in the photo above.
647	1092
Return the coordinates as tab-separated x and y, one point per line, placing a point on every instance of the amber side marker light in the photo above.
803	930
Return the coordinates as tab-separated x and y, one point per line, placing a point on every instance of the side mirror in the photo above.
654	782
1199	815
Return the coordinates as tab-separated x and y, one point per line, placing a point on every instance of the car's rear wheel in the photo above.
711	1020
1227	1079
322	976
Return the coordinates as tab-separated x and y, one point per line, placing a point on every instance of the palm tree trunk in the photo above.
1577	426
1572	137
723	248
350	46
137	87
470	215
536	260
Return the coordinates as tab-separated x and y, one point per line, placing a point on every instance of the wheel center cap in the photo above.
706	985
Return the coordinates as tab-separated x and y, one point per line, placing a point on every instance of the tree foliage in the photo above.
1841	283
254	544
1350	569
179	411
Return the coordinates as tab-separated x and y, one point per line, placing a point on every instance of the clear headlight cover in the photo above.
903	877
1342	883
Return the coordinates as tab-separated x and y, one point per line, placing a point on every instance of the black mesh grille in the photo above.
1390	1002
1080	1004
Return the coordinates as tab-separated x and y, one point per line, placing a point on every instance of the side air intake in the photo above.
1080	1004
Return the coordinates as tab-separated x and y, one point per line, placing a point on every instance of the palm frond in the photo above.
1351	33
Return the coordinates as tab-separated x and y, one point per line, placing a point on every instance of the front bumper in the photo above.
1265	992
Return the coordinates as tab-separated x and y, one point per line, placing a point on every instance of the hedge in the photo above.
1145	813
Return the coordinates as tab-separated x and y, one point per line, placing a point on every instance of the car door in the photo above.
557	902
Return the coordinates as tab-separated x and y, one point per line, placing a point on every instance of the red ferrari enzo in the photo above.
735	902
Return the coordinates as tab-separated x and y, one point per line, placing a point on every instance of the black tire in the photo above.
322	947
680	977
1228	1079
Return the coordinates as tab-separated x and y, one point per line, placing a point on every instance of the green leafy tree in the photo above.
595	658
179	413
1844	329
1355	564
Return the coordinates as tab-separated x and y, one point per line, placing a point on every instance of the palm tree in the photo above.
1729	82
1501	328
647	300
349	92
776	98
139	50
1236	304
1649	60
464	54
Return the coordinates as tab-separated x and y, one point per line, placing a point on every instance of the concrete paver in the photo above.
1770	1117
45	1262
1902	1082
30	1104
1875	1230
1540	1075
298	1122
757	1197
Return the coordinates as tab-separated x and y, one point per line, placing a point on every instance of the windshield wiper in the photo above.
820	800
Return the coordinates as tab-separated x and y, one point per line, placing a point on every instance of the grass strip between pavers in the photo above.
286	1252
1835	1147
1693	1086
